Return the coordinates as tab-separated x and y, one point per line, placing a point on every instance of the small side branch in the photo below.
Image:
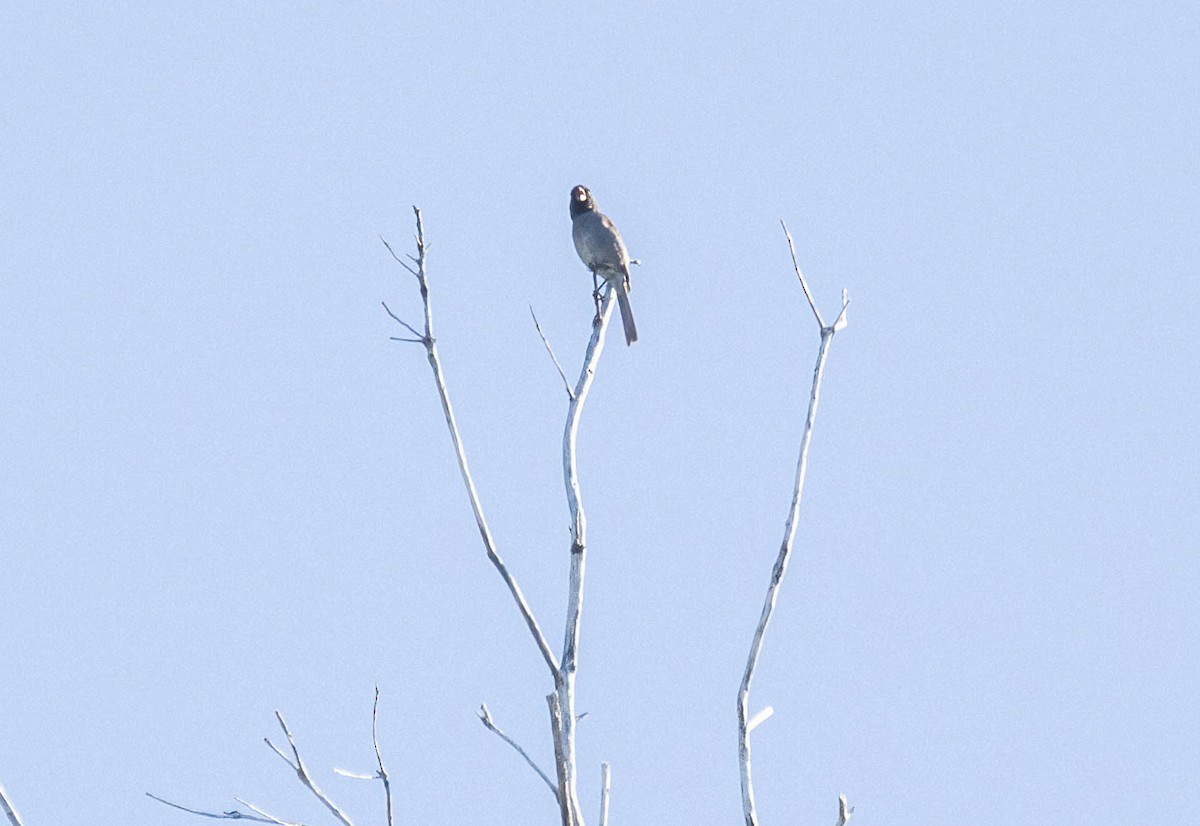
745	723
10	811
302	772
554	358
380	773
427	339
803	284
230	815
267	816
485	717
605	786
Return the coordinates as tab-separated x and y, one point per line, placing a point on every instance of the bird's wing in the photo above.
599	244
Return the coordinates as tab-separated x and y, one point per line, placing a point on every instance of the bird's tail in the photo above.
626	313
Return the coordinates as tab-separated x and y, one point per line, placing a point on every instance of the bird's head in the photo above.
581	201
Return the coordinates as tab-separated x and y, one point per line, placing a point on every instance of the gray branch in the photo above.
564	678
844	808
554	358
230	815
302	772
427	339
10	811
785	550
605	787
383	775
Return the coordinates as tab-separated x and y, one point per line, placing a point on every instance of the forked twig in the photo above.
745	723
564	679
383	775
380	773
489	543
302	772
562	700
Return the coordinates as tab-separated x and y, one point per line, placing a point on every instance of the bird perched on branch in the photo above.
603	252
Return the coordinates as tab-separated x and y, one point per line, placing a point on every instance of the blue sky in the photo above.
223	491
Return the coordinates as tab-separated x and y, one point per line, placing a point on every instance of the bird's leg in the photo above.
596	295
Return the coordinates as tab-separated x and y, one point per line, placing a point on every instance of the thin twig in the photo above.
302	772
419	338
840	321
605	786
10	811
460	452
550	350
758	719
397	257
231	815
383	775
800	275
785	549
485	717
268	817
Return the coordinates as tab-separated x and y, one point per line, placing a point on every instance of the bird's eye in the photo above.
581	194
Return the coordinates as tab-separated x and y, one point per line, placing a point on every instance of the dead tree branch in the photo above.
430	343
297	765
302	772
562	701
605	787
485	717
745	722
10	811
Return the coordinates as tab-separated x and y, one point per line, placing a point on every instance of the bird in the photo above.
602	251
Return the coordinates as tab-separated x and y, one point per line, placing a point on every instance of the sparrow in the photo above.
602	251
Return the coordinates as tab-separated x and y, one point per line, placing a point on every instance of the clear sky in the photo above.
224	491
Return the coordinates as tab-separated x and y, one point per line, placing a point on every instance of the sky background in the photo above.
224	491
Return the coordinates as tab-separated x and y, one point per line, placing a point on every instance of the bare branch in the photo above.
605	786
844	810
485	717
267	817
397	258
383	775
354	775
550	350
758	719
571	479
380	773
231	815
785	549
840	321
420	339
800	275
560	760
564	679
302	772
485	532
10	811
